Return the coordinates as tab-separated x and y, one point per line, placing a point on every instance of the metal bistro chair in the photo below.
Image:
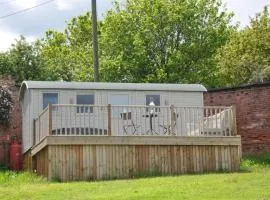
128	123
169	129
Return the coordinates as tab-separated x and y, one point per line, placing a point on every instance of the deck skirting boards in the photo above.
70	158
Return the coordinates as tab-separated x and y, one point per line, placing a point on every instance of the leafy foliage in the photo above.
150	41
22	61
68	55
5	105
163	41
255	162
3	167
245	57
12	178
142	41
4	67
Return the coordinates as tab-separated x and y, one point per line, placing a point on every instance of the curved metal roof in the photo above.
110	86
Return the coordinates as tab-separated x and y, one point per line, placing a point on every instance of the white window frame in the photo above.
49	92
156	106
85	93
116	114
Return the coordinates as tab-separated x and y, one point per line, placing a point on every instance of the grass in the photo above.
252	182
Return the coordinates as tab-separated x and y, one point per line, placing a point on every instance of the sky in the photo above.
54	15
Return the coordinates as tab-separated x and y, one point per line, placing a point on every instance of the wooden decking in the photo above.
69	158
91	142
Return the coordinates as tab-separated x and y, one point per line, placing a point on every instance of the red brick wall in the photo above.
252	114
7	133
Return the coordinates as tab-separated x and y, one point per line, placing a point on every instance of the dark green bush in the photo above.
5	105
3	167
251	162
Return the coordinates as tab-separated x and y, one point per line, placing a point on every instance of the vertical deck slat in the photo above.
234	127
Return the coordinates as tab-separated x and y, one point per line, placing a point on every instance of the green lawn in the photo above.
253	182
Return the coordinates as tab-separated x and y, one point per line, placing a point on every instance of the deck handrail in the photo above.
41	125
139	106
123	120
44	111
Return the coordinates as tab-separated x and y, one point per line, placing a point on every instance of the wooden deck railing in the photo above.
106	120
42	125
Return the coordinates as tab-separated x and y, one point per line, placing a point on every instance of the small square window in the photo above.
49	98
85	100
153	99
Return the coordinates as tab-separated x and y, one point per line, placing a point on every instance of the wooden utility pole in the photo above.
95	41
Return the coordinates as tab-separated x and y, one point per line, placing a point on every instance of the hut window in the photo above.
85	100
118	100
49	98
153	99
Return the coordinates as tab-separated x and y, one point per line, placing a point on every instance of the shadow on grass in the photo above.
156	174
248	164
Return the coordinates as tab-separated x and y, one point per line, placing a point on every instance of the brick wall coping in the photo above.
248	86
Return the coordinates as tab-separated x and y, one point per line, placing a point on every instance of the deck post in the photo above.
234	126
34	131
38	128
173	119
50	118
109	120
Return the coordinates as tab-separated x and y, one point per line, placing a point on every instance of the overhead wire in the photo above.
26	9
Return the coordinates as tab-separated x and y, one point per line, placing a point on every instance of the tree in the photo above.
4	67
245	57
68	55
142	41
163	41
22	61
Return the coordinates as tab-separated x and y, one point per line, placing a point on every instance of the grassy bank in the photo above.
253	182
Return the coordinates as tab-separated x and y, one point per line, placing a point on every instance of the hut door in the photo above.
119	104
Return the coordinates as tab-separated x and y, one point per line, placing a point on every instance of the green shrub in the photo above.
5	105
3	167
16	178
252	162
